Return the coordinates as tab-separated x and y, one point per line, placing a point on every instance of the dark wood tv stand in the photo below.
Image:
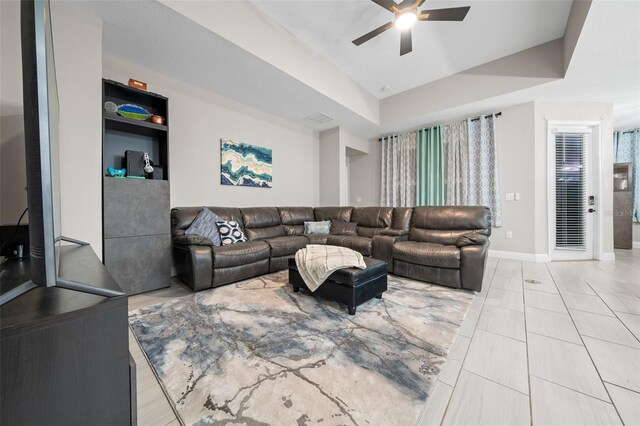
64	354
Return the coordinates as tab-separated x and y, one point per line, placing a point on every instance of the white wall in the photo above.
13	178
199	119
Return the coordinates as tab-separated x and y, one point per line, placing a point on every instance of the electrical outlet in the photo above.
509	234
358	199
517	196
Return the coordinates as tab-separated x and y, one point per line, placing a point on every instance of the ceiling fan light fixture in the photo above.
405	20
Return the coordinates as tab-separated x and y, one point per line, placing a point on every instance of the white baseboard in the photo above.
514	255
608	256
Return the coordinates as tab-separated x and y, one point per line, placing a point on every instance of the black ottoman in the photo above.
351	286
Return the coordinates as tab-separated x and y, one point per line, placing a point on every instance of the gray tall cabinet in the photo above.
622	206
136	212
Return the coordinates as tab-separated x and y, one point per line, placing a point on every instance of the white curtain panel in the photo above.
484	183
398	183
456	161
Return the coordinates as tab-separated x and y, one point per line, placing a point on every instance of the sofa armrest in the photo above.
473	259
395	232
383	248
471	239
194	264
195	240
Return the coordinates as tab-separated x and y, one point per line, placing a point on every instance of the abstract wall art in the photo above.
242	164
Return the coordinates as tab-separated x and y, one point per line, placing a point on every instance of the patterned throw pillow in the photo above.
321	227
339	227
230	232
204	225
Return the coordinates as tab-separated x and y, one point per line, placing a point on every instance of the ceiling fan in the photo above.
407	14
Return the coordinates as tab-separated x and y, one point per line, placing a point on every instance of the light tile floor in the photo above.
564	350
581	338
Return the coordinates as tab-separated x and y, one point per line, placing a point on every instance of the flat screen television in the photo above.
41	122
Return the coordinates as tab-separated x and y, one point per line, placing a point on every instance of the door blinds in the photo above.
571	190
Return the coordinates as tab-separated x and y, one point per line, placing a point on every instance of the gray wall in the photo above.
364	176
79	92
515	141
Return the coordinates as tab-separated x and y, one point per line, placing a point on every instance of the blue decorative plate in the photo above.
134	112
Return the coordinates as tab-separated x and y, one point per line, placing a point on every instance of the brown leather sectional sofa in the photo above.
442	245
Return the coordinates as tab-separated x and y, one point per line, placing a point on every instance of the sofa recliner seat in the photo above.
240	254
286	246
362	245
428	254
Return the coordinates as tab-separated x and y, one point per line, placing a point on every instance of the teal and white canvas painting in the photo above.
242	164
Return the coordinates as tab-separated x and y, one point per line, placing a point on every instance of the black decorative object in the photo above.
134	163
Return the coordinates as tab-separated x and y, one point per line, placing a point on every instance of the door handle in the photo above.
591	210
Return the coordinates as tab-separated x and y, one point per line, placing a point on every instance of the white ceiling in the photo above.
491	30
605	66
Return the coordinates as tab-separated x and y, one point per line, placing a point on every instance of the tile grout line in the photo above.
622	387
444	414
526	342
587	349
573	390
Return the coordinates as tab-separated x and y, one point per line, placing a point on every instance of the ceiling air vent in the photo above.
319	118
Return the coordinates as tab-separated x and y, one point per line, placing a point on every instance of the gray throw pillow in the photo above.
205	226
321	227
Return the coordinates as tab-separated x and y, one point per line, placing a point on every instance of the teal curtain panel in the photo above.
430	168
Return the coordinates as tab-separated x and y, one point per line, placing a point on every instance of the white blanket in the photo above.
316	262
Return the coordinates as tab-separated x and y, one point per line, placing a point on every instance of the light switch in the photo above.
509	234
517	196
509	196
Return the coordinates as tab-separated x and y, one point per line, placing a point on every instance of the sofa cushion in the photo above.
371	220
204	225
295	215
240	254
183	217
192	240
444	225
286	246
230	232
261	223
328	213
428	254
401	218
293	229
363	245
317	238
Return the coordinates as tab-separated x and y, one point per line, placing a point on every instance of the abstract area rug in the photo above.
257	353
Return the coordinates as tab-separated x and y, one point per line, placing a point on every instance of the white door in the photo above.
571	198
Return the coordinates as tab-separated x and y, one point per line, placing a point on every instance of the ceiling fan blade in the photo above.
410	4
405	42
450	14
368	36
390	5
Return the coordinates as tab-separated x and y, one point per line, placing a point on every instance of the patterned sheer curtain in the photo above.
398	184
456	163
626	149
484	184
429	178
